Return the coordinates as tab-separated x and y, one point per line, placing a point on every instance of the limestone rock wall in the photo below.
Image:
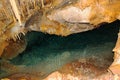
60	17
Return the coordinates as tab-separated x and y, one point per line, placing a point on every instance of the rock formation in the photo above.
59	17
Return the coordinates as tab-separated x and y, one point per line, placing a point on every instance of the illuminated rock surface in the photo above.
14	48
59	17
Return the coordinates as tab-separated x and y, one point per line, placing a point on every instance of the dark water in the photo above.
47	53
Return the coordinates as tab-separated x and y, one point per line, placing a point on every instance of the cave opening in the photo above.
88	50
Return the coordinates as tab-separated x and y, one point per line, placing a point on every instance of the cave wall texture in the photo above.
59	17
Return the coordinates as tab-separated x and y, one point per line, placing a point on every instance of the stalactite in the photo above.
34	4
16	11
12	14
42	2
2	13
6	14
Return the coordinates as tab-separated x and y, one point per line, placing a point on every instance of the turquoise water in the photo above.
47	53
42	46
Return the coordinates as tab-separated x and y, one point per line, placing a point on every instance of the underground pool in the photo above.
46	53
